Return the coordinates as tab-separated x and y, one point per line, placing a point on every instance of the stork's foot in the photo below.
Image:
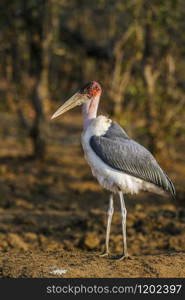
116	257
104	254
121	257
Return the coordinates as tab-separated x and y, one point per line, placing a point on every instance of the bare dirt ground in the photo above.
53	215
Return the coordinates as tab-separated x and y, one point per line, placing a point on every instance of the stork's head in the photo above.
88	92
91	89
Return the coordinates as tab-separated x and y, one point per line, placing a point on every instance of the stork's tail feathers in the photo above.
170	187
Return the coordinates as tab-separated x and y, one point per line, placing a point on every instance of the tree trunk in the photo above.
149	77
38	130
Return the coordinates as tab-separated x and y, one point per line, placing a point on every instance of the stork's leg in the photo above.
109	220
124	216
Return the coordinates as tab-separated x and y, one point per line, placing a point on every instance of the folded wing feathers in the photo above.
130	157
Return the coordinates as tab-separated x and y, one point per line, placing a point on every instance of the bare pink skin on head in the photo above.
93	91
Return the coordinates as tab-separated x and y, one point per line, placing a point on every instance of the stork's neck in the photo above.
89	110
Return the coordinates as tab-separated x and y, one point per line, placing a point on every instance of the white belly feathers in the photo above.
109	178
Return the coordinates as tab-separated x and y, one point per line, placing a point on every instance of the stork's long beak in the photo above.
76	99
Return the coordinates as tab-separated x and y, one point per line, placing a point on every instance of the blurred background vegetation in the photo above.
134	48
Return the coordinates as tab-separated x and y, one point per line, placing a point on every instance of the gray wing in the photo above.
120	152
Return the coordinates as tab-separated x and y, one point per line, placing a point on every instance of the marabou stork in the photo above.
120	164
